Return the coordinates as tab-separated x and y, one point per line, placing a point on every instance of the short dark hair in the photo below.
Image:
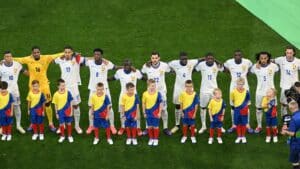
155	53
100	84
129	85
188	82
60	81
182	54
297	84
6	52
4	85
291	47
263	53
35	82
68	47
209	54
98	50
35	47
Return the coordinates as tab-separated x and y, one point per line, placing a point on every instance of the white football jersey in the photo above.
209	76
127	77
288	71
265	77
98	73
11	75
183	73
70	70
157	74
237	71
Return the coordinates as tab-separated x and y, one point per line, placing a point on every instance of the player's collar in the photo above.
155	66
127	72
290	61
98	63
8	64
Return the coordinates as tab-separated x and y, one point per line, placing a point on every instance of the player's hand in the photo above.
105	61
222	118
211	119
57	116
182	115
257	65
145	115
28	112
106	118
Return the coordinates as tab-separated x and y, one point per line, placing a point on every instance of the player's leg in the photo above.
76	109
138	125
237	123
150	131
111	114
128	131
211	131
49	113
274	129
155	131
203	104
61	120
192	124
106	125
176	94
91	120
122	120
41	127
134	132
244	122
164	115
69	129
219	132
259	112
33	120
283	101
17	112
96	127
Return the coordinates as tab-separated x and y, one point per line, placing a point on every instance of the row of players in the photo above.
152	105
70	63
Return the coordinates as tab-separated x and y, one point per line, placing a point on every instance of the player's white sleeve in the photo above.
138	74
144	69
0	72
198	67
278	60
276	68
167	68
117	76
110	65
253	69
226	64
221	69
57	61
172	64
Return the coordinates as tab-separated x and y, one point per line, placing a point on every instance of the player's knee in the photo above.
177	106
75	106
203	108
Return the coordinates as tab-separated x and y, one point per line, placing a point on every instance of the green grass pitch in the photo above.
132	29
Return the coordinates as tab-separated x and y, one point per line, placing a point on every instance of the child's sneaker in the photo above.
193	139
220	141
34	136
96	141
61	139
128	141
150	142
238	140
134	141
8	138
3	137
268	139
257	130
155	142
183	139
244	140
210	140
41	137
71	140
110	142
275	139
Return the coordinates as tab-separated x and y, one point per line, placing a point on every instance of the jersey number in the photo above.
209	77
288	72
11	77
68	69
238	74
37	69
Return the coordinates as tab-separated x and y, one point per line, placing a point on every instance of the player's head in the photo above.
98	53
183	58
100	88
293	106
237	55
209	58
290	52
189	86
240	82
151	85
130	87
155	57
217	93
127	65
8	56
264	58
36	52
68	51
297	86
61	84
4	86
271	93
35	84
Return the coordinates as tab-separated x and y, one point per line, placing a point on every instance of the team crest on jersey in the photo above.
15	71
133	78
244	68
161	71
103	68
214	70
270	71
190	68
294	66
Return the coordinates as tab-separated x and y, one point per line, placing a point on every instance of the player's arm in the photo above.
22	60
209	111
24	72
196	109
91	112
138	112
54	56
108	112
144	106
12	110
56	112
160	109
